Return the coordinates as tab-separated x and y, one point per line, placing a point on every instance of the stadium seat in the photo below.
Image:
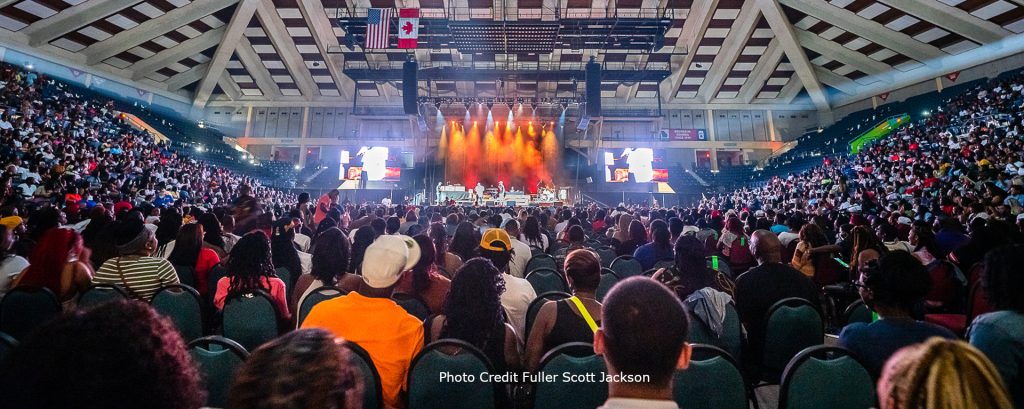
542	261
828	271
216	273
285	275
712	381
186	275
731	339
536	251
315	297
977	304
626	266
100	293
720	265
946	290
250	319
607	255
664	263
453	357
578	360
792	325
826	377
857	312
414	306
7	344
608	280
546	280
24	308
183	306
534	308
373	396
218	359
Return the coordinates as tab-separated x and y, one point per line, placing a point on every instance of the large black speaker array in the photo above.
593	89
410	87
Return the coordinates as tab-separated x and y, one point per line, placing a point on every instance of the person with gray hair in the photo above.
134	269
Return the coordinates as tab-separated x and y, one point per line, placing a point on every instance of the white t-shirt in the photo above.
10	267
516	300
520	257
303	241
543	244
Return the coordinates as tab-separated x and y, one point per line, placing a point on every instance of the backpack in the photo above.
739	252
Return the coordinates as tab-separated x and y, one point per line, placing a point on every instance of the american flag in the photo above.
378	28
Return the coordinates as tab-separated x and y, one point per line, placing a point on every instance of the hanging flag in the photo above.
408	27
76	72
884	96
953	76
378	28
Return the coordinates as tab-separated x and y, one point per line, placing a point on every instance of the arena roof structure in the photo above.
813	53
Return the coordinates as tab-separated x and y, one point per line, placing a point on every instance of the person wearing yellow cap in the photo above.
496	245
11	222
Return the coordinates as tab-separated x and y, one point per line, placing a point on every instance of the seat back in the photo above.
101	293
217	359
542	261
608	280
731	338
412	305
626	266
826	377
792	325
24	308
664	263
250	319
607	255
945	286
979	303
373	395
828	271
720	265
858	312
534	251
216	273
584	390
712	381
7	344
186	275
428	388
315	297
183	306
285	275
534	308
546	280
788	251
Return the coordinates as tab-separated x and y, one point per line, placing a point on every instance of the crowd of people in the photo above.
89	200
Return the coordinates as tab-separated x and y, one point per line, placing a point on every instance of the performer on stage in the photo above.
501	189
438	192
479	192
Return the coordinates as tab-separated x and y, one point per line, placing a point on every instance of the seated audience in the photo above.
307	368
657	250
423	282
570	320
121	354
443	258
369	318
134	269
892	287
60	263
189	252
10	264
330	266
941	374
249	269
643	335
496	245
1000	334
521	252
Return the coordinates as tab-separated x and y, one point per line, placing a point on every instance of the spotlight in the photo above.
467	104
510	105
297	167
927	113
534	106
820	129
490	105
437	105
565	105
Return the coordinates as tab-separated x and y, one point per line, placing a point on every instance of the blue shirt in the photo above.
874	343
1000	336
778	228
650	254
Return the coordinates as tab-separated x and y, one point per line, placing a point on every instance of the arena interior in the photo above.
663	203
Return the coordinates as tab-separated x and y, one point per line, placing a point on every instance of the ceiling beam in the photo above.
790	90
5	3
794	52
233	34
229	86
952	19
762	71
285	45
177	53
323	32
181	79
868	29
152	28
701	12
733	45
839	82
259	72
71	19
844	55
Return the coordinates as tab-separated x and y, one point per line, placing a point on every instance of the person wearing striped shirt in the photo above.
135	270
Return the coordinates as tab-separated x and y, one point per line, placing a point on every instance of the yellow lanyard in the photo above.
584	313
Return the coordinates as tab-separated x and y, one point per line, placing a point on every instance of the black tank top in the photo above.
569	327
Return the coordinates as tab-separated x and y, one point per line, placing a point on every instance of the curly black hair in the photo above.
302	369
364	238
465	241
249	262
331	254
121	354
473	307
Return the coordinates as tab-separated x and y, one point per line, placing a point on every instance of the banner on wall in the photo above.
676	134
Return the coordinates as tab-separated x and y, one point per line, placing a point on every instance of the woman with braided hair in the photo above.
941	374
249	269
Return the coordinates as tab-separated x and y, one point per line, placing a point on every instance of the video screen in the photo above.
633	165
373	160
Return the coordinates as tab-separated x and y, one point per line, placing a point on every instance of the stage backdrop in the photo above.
519	154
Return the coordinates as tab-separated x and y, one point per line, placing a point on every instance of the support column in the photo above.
771	126
710	115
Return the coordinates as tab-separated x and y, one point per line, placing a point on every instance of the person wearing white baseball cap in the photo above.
369	318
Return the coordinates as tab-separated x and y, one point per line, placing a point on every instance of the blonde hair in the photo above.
941	374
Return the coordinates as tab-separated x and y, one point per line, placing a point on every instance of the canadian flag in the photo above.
953	76
408	27
884	96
